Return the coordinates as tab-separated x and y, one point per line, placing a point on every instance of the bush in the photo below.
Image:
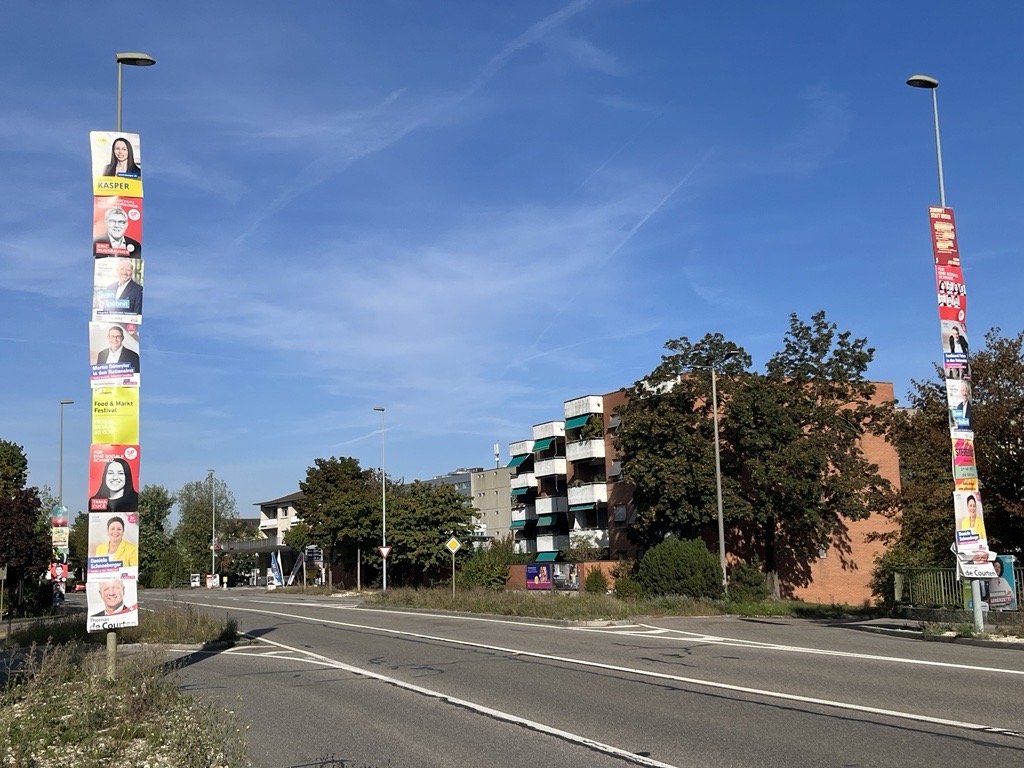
747	583
487	567
676	567
628	588
596	582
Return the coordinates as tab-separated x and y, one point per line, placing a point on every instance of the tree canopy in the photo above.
921	436
195	517
792	467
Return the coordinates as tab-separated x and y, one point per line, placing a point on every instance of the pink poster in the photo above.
117	226
114	478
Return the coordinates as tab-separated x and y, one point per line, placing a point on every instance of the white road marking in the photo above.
656	675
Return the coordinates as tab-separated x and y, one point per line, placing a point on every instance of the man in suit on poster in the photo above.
127	288
114	242
116	352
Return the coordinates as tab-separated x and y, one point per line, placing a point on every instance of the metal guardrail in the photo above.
938	587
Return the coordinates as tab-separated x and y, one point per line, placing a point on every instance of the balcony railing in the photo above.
585	449
549	467
552	542
551	505
581	406
524	480
588	493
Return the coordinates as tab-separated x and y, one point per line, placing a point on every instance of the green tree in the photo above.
155	503
487	566
25	543
13	468
792	468
340	509
421	518
195	517
920	433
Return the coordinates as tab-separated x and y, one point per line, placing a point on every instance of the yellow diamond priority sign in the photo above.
453	545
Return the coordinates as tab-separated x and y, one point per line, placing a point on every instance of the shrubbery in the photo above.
676	567
747	583
596	583
487	567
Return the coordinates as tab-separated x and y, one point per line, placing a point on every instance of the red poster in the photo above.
117	226
952	293
944	244
113	478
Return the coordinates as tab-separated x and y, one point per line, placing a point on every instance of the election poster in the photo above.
117	227
114	478
951	293
116	163
965	471
113	602
117	290
971	541
961	410
115	415
944	243
114	354
113	541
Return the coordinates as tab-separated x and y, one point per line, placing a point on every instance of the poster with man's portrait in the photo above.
117	283
113	602
114	354
117	227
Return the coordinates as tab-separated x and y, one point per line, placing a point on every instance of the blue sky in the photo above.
470	212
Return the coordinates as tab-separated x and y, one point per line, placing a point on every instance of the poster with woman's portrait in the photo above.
113	542
116	163
114	478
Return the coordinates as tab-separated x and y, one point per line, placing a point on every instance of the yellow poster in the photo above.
115	415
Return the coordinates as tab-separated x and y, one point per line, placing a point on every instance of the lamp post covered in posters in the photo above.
931	84
384	551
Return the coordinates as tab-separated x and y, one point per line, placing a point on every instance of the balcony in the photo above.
585	450
599	538
525	546
552	505
549	467
524	512
521	447
552	542
589	493
549	429
523	480
582	406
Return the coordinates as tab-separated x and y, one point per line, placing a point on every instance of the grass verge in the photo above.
590	607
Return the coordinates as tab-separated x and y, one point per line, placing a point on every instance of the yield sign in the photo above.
384	551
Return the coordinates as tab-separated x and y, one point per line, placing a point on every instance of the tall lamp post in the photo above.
60	455
213	524
383	502
132	59
931	84
718	465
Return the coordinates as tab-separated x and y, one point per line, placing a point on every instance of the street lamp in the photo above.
132	59
60	455
383	502
213	524
718	466
924	81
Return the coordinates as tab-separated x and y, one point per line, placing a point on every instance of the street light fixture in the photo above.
60	455
132	59
383	503
931	84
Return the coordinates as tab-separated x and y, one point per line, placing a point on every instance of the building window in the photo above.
621	513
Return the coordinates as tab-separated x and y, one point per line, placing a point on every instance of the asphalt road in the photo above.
327	683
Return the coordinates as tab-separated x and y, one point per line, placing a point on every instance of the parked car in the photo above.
79	586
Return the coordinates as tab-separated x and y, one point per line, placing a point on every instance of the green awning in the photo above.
543	444
577	421
520	491
547	557
517	460
518	524
581	507
547	520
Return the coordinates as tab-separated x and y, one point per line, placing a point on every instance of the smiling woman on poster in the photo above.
122	160
116	547
118	488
